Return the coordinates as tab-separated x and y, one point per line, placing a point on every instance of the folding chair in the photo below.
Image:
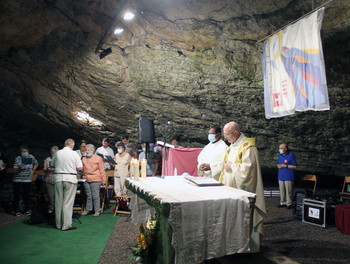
118	198
107	189
345	193
312	178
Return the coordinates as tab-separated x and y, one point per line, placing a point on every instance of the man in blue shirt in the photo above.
286	164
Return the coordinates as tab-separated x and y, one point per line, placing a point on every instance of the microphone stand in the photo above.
164	158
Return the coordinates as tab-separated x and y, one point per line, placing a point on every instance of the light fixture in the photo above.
118	31
105	52
129	15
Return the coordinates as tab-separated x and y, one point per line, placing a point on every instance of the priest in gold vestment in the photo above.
241	170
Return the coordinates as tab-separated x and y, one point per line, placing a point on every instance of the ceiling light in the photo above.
105	52
118	31
128	15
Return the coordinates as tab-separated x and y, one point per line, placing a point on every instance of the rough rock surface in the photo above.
193	62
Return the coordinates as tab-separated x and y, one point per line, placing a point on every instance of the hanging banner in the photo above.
294	71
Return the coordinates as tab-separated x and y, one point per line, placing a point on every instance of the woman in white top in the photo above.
121	170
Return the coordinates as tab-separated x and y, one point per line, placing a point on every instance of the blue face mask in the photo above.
211	137
144	149
281	151
89	155
24	154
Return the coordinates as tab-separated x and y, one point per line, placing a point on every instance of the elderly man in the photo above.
66	163
211	158
242	170
286	164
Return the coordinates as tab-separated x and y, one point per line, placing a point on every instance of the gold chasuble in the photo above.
245	174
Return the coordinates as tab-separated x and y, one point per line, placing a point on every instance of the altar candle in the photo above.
136	168
144	169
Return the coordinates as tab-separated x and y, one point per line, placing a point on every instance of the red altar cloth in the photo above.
183	159
342	218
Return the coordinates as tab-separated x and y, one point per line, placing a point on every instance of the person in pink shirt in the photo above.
95	175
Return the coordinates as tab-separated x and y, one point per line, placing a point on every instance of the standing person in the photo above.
104	151
95	175
24	167
66	163
121	170
242	170
286	164
130	148
175	142
50	180
82	149
211	158
152	160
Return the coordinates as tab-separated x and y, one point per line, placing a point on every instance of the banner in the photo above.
294	71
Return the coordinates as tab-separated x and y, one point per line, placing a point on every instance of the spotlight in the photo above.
105	52
118	31
128	15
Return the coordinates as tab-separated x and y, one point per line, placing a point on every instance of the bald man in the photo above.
241	170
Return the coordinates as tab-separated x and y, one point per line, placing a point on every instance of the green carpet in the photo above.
43	243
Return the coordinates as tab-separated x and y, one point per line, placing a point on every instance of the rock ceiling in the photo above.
193	62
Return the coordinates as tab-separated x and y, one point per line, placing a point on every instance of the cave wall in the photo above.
194	63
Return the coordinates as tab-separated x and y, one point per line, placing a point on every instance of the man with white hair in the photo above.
242	170
66	163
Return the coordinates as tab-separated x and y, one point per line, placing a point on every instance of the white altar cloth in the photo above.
207	222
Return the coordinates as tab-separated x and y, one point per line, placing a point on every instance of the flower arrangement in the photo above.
145	243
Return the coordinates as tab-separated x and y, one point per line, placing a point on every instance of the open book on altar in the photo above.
203	181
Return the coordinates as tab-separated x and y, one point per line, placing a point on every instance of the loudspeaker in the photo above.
146	130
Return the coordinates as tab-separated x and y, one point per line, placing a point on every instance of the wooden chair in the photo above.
312	178
107	189
118	198
37	173
80	195
345	194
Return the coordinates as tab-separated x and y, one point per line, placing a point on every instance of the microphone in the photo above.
165	124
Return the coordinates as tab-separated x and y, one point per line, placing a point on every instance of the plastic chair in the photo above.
345	194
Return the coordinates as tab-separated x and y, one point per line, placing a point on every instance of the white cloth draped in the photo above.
207	222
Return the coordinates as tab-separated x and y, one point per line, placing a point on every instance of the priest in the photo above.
210	159
241	170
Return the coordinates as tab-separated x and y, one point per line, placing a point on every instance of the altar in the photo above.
196	223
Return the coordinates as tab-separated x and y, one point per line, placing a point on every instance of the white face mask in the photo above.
120	151
89	155
281	151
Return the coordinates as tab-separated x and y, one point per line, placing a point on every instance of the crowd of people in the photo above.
236	165
64	167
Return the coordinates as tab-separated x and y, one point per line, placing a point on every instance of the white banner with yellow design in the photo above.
294	71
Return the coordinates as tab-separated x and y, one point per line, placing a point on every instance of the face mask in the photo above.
24	154
144	149
120	151
211	137
281	151
89	155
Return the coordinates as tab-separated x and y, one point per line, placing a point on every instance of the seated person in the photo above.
152	160
95	175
